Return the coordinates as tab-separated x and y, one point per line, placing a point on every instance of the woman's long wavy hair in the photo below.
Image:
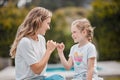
30	25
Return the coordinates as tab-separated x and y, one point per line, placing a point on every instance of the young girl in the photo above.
83	54
29	47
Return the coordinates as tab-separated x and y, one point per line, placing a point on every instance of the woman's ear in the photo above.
38	22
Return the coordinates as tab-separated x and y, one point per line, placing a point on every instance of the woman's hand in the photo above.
51	45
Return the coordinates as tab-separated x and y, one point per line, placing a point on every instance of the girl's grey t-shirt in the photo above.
80	56
29	52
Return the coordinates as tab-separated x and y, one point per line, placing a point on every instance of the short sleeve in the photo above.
71	52
27	51
92	51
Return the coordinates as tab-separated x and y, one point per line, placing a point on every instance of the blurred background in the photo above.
104	15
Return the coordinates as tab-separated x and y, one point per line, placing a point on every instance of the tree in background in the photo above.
60	28
56	4
106	18
10	18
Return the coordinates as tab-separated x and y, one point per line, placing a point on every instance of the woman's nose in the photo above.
48	28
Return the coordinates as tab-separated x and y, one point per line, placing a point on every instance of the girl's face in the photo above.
44	26
76	34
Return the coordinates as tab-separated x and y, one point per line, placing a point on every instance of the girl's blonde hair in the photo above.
84	24
30	25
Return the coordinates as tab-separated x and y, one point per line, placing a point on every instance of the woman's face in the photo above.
44	26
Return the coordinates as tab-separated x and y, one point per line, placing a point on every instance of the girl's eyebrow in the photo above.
73	31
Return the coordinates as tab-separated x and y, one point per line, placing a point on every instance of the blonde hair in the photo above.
30	25
84	24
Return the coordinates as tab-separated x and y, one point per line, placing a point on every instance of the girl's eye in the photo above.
74	31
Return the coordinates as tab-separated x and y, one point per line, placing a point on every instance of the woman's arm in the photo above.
38	67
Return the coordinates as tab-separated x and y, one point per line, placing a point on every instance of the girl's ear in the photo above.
84	32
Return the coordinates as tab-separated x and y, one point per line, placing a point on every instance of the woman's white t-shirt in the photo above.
29	52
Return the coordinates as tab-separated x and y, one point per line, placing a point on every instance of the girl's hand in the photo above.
51	45
60	47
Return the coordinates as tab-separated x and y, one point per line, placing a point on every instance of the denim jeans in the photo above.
35	78
53	77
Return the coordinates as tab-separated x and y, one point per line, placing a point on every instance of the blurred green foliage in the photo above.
106	18
56	4
60	28
10	18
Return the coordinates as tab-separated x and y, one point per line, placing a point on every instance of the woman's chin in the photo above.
43	34
75	41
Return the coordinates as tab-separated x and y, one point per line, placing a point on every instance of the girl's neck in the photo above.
82	43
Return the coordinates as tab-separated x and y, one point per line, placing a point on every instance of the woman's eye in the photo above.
48	23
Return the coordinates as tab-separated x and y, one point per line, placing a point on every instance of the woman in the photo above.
29	48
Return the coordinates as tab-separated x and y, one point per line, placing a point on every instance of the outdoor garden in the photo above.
103	14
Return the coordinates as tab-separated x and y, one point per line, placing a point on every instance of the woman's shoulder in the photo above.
25	41
41	37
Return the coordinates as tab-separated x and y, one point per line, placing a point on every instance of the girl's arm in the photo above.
66	63
90	68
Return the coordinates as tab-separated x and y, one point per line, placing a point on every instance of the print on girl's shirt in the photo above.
78	58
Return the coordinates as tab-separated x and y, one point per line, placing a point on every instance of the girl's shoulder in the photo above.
74	46
91	46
